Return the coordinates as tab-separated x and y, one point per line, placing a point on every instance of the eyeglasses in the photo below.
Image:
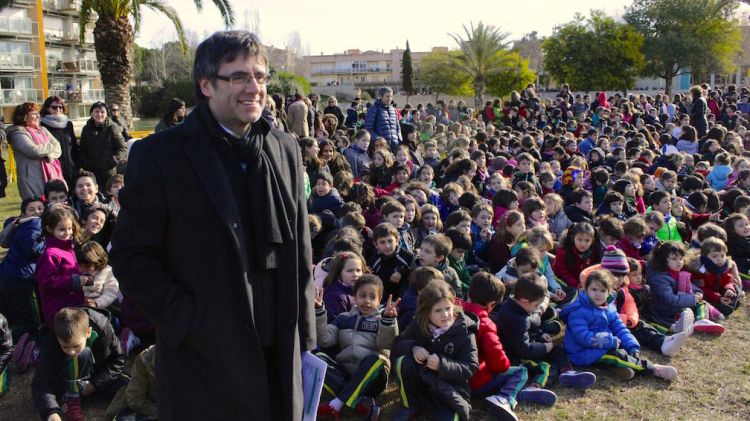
244	79
57	107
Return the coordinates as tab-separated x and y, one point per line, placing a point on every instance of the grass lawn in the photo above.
713	382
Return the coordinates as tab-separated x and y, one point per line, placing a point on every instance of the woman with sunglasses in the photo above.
35	150
58	124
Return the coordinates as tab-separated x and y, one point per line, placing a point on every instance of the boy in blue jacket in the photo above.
596	335
325	196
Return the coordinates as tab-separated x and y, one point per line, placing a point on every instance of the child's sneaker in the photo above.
537	395
405	414
27	358
685	323
327	409
673	343
71	409
577	379
367	407
622	373
666	372
19	348
500	407
709	327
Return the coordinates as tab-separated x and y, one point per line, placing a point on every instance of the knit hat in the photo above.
615	261
570	174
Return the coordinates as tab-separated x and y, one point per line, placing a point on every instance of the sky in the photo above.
335	26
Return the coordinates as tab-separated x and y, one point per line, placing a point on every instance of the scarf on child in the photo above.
712	267
50	170
437	331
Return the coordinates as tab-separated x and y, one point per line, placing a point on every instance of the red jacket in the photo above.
492	358
567	274
713	285
626	245
626	307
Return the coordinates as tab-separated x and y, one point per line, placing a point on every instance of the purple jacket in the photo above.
338	298
57	275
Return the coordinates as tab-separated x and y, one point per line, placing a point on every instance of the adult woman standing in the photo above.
173	116
35	151
333	108
102	145
382	118
55	120
698	111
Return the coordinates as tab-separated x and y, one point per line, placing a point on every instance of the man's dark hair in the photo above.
223	47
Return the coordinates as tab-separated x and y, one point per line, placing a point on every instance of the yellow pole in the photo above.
42	47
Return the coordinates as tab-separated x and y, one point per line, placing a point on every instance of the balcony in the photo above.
62	6
87	66
19	96
87	96
17	61
66	37
15	26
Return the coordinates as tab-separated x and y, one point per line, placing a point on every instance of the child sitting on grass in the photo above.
596	335
82	357
391	263
710	272
496	380
359	372
435	357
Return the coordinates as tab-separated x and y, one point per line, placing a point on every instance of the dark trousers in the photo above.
543	372
420	389
369	380
648	336
506	384
21	307
727	309
620	358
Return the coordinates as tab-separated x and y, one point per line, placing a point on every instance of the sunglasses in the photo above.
57	107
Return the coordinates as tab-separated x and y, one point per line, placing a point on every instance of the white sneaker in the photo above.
666	372
500	408
673	343
684	323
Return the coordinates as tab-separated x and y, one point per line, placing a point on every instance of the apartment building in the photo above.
361	69
40	56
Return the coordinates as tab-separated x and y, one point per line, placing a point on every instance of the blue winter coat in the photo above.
24	247
382	121
358	160
719	177
593	331
665	301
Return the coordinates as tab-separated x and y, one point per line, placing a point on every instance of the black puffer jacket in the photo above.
102	147
459	360
109	361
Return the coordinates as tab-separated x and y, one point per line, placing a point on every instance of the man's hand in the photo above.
391	308
433	362
395	277
420	354
318	297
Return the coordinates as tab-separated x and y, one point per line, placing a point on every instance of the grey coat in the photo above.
28	156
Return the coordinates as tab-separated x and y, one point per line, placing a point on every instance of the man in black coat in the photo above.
213	245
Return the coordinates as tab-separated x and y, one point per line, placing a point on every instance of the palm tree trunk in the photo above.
479	88
113	42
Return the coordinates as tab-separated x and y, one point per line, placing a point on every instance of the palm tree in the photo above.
481	55
114	37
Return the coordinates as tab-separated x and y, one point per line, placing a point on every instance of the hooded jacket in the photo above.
459	360
24	248
492	358
357	336
102	147
718	178
57	275
592	331
516	327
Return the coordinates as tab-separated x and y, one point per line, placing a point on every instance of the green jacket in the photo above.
463	273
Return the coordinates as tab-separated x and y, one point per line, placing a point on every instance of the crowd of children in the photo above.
490	255
526	242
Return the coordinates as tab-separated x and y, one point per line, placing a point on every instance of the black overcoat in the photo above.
180	257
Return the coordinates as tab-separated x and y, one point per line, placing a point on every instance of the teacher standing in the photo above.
213	245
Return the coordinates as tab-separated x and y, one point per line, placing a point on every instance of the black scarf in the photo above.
712	267
271	221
